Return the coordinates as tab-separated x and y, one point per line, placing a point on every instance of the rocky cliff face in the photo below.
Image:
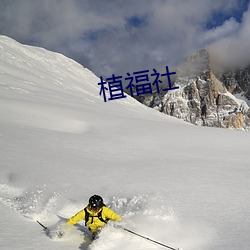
237	81
204	97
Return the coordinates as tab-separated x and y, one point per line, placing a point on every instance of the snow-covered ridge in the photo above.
33	74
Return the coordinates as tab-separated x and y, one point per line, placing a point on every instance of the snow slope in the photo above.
176	183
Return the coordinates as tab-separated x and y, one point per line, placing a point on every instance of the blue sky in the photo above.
118	36
218	17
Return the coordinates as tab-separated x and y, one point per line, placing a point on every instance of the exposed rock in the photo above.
202	98
237	81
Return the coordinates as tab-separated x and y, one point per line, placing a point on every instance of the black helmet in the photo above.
95	202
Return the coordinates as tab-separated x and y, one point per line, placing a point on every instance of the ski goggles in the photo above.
94	208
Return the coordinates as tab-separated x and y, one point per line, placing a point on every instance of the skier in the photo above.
95	214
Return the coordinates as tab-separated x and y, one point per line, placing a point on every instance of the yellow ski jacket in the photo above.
94	223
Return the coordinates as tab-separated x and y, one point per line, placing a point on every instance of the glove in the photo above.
62	229
60	234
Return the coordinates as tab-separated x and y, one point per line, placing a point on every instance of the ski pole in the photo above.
146	238
45	228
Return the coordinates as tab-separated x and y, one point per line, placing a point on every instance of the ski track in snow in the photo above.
145	214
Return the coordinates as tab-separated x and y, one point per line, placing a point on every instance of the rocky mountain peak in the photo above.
205	97
196	64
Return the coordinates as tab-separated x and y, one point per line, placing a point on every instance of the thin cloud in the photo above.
233	50
228	28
